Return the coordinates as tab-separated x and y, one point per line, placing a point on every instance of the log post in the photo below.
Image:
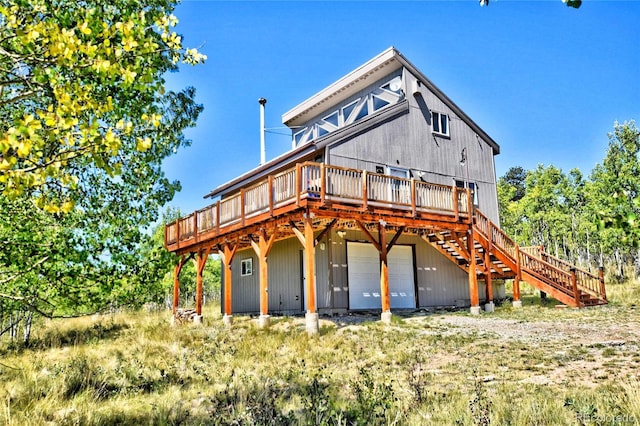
574	284
201	261
384	274
226	255
488	281
603	290
517	303
261	248
176	287
473	277
311	317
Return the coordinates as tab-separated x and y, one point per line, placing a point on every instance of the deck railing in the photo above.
319	182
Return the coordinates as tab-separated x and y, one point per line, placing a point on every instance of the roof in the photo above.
383	64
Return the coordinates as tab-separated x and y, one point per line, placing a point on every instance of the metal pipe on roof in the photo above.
263	149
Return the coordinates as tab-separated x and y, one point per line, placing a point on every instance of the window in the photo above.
440	123
379	98
472	187
246	267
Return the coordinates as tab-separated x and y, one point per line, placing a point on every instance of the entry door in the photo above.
364	276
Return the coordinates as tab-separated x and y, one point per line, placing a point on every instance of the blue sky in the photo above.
547	82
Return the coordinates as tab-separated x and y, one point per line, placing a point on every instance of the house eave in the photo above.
385	63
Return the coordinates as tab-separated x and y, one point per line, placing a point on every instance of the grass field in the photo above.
539	365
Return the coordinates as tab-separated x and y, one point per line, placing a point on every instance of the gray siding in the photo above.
245	290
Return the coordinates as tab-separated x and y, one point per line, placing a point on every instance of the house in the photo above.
386	201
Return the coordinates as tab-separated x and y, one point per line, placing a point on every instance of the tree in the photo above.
614	196
617	182
81	86
85	122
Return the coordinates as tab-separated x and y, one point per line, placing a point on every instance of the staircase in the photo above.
499	254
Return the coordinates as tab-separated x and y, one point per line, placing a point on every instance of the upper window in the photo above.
440	123
390	93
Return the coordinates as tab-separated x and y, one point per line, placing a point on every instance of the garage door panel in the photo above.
364	276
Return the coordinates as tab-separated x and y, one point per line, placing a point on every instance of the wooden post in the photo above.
195	226
384	274
489	306
470	206
201	261
311	317
603	290
309	252
413	197
473	277
574	284
456	203
178	233
176	283
517	303
261	248
271	192
365	191
242	205
226	255
308	241
298	183
323	183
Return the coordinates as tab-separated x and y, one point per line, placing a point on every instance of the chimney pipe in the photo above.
263	150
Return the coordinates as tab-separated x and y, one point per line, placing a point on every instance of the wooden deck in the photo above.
328	191
311	199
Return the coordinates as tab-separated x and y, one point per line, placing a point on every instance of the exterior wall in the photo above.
439	282
286	291
407	141
245	290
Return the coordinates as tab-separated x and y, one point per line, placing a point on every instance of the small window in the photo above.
332	118
348	110
440	123
472	187
246	267
379	103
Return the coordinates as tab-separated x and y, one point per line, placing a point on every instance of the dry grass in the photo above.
538	365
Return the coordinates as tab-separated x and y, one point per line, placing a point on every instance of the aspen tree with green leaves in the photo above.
85	122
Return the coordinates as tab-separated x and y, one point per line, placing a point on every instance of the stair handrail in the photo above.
497	236
586	280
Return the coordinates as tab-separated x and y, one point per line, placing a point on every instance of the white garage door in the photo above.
364	276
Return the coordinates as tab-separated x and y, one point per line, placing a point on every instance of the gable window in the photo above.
472	187
440	123
246	267
379	98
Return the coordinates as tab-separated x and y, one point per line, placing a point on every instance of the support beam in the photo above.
311	317
489	305
201	261
473	277
176	283
309	243
384	275
517	303
262	248
226	255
